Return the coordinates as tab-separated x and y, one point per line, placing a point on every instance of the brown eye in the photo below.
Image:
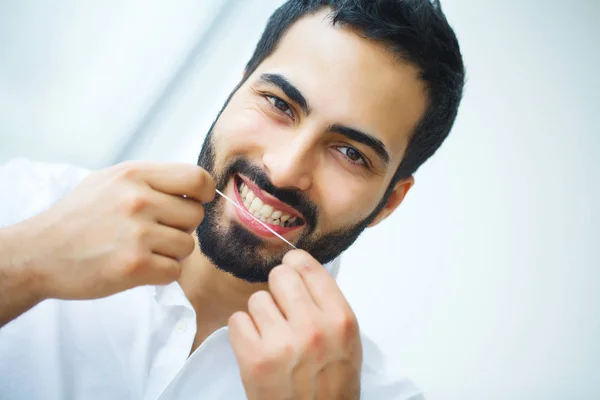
280	105
353	155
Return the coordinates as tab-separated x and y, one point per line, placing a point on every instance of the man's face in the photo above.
308	143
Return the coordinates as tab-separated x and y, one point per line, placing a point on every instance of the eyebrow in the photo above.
353	134
290	90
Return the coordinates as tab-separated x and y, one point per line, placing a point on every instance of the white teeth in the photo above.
256	205
266	211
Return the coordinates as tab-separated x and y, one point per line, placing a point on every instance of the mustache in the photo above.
292	197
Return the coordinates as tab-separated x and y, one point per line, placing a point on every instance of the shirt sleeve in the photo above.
28	188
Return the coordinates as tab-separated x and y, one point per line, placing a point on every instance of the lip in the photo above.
253	225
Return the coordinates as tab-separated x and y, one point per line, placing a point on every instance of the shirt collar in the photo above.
171	295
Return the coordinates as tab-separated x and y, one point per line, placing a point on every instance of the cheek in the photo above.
240	131
345	201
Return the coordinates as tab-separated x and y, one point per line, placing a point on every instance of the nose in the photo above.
290	164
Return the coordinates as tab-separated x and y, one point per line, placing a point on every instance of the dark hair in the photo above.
417	32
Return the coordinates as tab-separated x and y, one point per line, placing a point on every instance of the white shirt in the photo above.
132	345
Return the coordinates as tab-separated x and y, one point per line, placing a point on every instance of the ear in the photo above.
400	190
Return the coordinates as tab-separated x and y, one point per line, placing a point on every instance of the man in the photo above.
190	297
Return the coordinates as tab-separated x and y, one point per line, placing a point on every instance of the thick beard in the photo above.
235	250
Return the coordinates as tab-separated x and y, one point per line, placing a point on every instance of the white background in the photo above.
485	283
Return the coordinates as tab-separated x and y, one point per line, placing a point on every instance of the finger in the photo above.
162	270
243	335
319	283
174	178
177	212
265	313
169	242
290	292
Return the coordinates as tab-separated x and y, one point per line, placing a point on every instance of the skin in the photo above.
122	227
346	81
295	337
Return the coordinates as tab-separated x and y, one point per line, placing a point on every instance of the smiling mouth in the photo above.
259	206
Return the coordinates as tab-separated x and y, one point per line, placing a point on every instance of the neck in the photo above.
214	294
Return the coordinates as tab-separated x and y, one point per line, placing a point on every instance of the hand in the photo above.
124	226
301	340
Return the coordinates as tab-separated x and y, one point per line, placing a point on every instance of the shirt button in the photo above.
181	327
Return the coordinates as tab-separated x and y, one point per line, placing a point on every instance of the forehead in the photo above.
350	80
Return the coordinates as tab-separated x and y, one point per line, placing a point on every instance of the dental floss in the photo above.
256	219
